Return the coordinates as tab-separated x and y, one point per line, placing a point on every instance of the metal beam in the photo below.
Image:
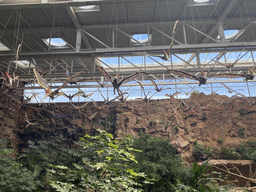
95	38
166	35
131	38
127	25
76	22
229	7
144	84
202	33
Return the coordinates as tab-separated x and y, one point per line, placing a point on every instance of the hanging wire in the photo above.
17	28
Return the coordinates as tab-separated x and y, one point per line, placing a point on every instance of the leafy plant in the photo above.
106	166
13	175
228	153
201	152
220	141
176	129
194	124
126	119
201	179
152	123
186	130
242	112
109	123
203	118
241	132
194	94
168	124
160	161
247	151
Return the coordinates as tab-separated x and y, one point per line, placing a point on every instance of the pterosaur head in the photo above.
204	74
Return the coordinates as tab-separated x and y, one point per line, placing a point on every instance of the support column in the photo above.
113	37
198	59
78	40
221	31
184	34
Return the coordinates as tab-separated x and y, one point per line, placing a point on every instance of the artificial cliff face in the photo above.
201	118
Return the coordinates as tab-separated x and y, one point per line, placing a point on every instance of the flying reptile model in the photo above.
80	92
187	93
146	99
31	97
156	87
6	77
202	79
96	105
28	122
93	116
42	82
166	56
114	80
229	89
79	107
101	84
41	71
124	99
172	95
245	75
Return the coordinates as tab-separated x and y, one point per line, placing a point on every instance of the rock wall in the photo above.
202	118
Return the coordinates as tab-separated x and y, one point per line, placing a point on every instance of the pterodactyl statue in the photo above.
114	80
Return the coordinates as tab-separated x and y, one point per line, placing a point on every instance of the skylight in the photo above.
4	48
87	8
202	2
56	43
230	34
141	39
24	64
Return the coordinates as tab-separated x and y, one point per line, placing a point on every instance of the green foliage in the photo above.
168	124
186	130
13	175
228	153
160	161
176	129
242	112
201	179
109	123
152	123
247	151
194	94
203	118
241	132
201	152
45	152
39	155
194	124
106	166
220	141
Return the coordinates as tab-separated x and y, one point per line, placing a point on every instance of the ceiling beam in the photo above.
222	18
212	21
76	22
134	51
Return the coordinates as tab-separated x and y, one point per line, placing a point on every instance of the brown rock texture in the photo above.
202	118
